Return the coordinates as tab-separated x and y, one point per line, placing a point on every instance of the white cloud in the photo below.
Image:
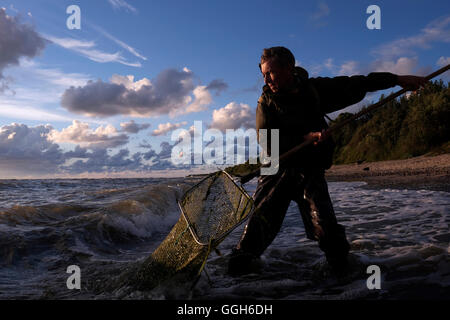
233	116
86	49
403	65
58	77
202	98
435	31
121	43
163	128
443	61
79	133
129	83
17	110
349	68
122	4
37	92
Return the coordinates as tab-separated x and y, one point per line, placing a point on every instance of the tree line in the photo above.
412	125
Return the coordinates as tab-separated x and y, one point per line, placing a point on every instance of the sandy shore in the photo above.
432	173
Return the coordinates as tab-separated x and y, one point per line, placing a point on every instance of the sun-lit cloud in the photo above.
80	133
164	128
233	116
402	65
172	92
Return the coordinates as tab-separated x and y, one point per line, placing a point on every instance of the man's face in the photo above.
275	76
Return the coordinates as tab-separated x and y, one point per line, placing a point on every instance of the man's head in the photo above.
277	66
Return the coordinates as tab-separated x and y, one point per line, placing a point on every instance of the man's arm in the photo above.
411	83
262	121
340	92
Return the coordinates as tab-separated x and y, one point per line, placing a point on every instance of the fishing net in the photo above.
210	210
214	207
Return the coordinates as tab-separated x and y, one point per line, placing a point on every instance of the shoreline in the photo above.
423	172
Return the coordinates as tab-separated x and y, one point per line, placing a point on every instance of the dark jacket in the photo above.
301	110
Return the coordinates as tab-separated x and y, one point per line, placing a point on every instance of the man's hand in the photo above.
316	136
411	83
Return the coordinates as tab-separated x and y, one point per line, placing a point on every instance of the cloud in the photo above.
105	162
37	92
86	49
319	15
120	43
14	109
16	40
202	98
349	68
403	65
436	31
99	160
129	83
170	93
133	127
217	85
163	128
79	133
33	152
233	116
443	61
122	4
57	77
26	149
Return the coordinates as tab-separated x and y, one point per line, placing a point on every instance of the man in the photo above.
296	104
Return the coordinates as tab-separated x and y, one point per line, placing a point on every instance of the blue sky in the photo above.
171	63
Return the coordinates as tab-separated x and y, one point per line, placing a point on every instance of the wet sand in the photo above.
431	173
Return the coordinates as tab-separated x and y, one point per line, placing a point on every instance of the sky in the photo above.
115	95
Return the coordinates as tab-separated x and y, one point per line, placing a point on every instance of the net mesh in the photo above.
214	207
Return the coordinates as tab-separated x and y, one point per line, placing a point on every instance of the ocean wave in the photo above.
68	229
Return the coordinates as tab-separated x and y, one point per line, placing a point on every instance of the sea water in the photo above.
106	226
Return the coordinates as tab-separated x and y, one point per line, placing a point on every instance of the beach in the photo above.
423	172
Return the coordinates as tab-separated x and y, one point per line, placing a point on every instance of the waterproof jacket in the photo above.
301	110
